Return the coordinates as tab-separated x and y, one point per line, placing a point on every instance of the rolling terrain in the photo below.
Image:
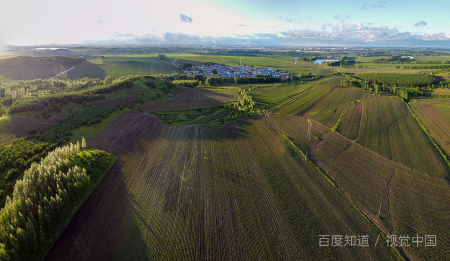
387	127
408	202
186	202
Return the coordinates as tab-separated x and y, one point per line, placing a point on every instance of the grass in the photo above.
388	128
203	207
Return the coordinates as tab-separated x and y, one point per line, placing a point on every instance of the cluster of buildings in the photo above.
234	71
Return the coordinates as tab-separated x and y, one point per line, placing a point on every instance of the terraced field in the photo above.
409	202
387	127
437	121
238	192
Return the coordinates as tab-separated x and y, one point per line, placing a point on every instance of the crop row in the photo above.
410	203
429	136
300	96
237	192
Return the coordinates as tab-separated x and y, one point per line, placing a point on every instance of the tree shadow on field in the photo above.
104	228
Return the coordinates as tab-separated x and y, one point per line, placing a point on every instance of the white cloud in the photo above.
421	23
185	19
374	5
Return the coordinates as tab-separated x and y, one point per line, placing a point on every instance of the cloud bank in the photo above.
329	34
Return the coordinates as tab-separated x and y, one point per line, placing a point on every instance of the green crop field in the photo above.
111	65
437	121
31	72
299	104
436	101
328	110
267	95
351	121
269	204
409	203
388	128
122	65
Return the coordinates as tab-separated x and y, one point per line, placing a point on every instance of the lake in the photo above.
319	61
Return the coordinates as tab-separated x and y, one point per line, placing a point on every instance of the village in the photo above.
234	71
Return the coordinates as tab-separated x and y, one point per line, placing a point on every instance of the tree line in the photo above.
400	80
39	202
59	132
89	95
20	154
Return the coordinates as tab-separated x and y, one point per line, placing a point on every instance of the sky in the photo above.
227	22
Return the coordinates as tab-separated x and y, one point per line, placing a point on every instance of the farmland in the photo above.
388	128
122	65
18	126
112	65
437	121
409	202
213	168
205	208
205	93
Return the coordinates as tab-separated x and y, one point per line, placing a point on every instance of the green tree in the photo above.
83	143
108	80
214	71
209	81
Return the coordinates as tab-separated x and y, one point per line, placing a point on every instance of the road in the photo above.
61	73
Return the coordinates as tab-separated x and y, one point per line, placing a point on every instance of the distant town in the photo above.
235	71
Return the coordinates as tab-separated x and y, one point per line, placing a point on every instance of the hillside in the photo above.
268	204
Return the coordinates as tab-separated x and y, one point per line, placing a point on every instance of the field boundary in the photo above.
330	179
336	126
309	90
429	135
399	250
113	119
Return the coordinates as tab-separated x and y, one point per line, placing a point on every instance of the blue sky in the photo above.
262	22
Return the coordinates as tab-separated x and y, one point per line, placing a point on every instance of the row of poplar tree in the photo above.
38	202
